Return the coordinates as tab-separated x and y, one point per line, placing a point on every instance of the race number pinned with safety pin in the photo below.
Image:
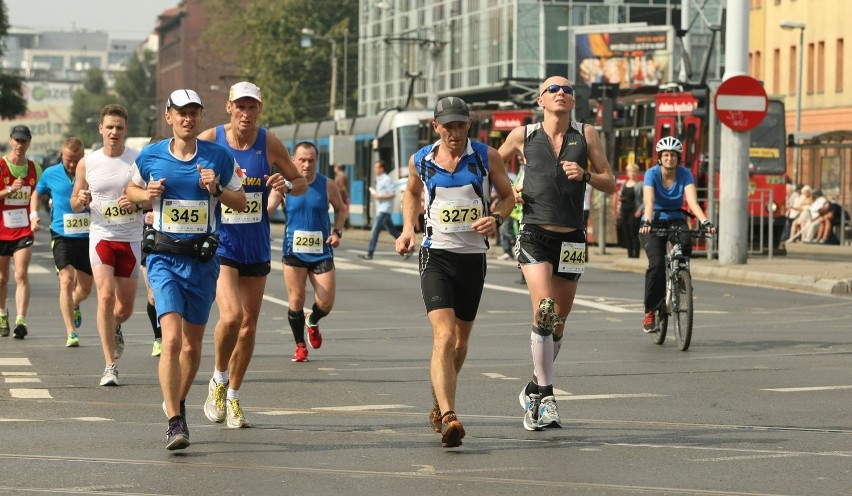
458	215
185	216
307	242
572	258
252	213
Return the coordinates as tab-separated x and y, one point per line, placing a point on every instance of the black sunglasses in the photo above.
554	88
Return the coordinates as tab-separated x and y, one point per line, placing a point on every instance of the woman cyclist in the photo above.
665	188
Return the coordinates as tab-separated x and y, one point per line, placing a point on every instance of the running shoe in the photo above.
548	415
4	325
176	437
110	377
119	343
236	419
435	416
72	341
452	431
524	397
531	416
301	353
78	317
214	407
648	325
20	330
314	336
157	349
182	417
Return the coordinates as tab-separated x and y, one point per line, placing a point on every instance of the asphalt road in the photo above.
758	405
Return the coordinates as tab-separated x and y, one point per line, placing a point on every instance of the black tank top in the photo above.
628	199
549	196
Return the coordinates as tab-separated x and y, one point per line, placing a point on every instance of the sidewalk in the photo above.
825	269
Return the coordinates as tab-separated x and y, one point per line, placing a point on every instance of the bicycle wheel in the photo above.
682	309
659	337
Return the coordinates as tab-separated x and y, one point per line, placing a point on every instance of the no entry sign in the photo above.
741	103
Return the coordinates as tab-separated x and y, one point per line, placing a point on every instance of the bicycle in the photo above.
678	301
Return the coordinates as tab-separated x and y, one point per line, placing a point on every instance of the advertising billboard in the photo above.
629	57
47	116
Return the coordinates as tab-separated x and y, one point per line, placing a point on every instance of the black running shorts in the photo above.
452	280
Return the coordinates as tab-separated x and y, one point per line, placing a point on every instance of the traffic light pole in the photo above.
733	187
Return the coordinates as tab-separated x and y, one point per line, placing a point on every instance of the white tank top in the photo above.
108	178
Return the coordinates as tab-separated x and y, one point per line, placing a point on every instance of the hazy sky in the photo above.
122	19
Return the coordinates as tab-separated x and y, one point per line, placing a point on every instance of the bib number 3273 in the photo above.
572	258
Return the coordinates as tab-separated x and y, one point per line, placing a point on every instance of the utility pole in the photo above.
733	183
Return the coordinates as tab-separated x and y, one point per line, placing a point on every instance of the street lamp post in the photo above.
307	35
790	25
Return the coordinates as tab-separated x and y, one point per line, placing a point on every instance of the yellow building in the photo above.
817	30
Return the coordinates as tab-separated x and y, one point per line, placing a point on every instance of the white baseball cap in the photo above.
181	98
244	89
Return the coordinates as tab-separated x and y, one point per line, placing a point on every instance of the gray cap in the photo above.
21	132
451	109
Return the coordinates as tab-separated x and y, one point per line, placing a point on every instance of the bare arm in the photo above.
34	220
513	146
81	197
506	196
648	199
405	243
339	208
275	200
280	158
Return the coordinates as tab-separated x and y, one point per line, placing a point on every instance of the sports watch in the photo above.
587	176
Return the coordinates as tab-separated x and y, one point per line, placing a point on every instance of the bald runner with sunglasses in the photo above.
561	156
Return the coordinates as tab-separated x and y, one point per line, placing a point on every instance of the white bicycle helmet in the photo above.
670	144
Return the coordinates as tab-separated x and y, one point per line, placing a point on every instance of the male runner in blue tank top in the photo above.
244	247
561	158
308	249
456	174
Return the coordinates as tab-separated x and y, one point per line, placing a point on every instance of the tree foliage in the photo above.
86	105
296	82
136	88
12	102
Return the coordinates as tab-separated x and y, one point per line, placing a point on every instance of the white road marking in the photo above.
359	408
606	396
17	374
277	301
92	419
15	362
30	393
18	380
801	389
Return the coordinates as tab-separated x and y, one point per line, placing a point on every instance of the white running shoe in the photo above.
236	419
531	416
214	406
548	415
110	377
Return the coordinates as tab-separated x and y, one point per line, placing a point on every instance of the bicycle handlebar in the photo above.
674	230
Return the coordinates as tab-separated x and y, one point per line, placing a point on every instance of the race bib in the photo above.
185	216
307	242
572	258
76	223
458	215
20	198
253	212
16	218
115	215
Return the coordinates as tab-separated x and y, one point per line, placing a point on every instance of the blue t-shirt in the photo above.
668	202
184	206
54	180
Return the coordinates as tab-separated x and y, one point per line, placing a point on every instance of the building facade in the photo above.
487	50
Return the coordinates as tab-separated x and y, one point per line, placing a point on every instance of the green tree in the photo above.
86	105
12	103
296	81
136	88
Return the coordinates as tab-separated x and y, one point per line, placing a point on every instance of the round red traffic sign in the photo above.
741	103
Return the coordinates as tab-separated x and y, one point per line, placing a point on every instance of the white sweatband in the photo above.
33	215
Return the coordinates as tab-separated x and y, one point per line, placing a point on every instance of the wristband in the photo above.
337	233
33	215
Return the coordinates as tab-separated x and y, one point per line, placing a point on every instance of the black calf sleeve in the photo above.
316	314
297	324
152	316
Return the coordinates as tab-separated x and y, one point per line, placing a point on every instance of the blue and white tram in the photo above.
392	136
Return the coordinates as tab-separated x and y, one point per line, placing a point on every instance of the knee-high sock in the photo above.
297	325
316	315
542	353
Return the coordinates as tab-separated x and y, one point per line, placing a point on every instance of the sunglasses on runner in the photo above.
554	88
